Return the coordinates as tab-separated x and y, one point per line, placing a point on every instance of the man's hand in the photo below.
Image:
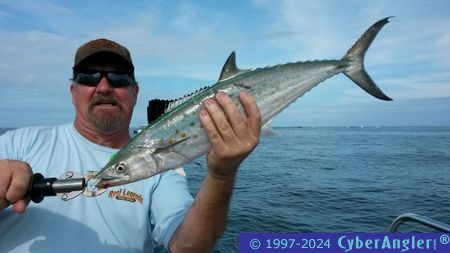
15	177
232	136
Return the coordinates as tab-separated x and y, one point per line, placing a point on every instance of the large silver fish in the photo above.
176	137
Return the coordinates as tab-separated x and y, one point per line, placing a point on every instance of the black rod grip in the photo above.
40	187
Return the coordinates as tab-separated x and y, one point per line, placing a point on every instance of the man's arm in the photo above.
232	138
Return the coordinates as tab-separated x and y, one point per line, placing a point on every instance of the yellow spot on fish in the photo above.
183	135
170	141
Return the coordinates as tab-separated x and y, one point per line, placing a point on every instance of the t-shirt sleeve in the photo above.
23	143
170	202
7	148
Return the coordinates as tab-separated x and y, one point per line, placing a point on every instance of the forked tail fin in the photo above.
355	59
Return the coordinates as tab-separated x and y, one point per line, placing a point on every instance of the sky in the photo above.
180	46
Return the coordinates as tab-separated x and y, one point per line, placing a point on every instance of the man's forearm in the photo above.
206	220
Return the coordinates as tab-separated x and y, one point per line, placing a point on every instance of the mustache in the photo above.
109	99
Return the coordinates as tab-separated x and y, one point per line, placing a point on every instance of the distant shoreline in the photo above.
350	126
132	129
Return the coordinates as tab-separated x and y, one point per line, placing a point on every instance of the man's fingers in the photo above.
14	179
20	206
232	135
18	186
211	132
219	120
234	116
253	114
4	184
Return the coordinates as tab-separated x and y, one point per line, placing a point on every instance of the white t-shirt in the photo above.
127	218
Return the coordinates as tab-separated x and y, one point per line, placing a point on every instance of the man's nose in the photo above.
103	85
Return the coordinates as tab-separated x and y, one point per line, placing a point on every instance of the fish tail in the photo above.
355	59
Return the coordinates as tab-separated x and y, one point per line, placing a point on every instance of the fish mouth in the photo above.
103	176
108	182
105	181
103	184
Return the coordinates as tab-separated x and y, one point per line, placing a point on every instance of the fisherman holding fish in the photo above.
147	198
132	217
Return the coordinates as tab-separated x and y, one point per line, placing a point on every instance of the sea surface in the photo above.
337	179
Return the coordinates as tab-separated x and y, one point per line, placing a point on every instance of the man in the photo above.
123	219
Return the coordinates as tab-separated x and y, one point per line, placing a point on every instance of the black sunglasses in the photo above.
116	79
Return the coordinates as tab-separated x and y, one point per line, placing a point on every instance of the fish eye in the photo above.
120	168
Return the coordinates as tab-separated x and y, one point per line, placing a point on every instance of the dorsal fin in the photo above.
157	107
230	69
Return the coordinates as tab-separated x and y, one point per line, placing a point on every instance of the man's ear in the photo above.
135	92
73	91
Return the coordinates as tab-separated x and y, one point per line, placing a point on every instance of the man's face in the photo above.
104	108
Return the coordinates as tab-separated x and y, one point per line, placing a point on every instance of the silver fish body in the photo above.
177	136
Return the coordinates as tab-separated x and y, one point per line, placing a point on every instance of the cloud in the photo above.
24	52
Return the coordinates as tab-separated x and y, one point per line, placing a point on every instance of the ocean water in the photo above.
337	180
